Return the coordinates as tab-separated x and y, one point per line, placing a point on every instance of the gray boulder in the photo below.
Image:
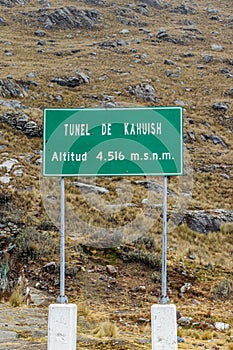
96	2
146	92
216	140
21	122
220	106
152	3
69	18
12	88
11	3
202	221
229	92
184	9
77	80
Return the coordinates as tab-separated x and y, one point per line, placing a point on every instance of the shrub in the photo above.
145	242
223	290
31	244
227	228
106	329
156	277
147	258
16	298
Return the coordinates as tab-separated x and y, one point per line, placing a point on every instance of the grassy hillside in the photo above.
182	53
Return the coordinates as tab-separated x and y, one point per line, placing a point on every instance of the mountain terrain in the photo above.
108	54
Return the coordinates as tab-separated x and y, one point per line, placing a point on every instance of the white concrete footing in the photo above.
164	327
62	327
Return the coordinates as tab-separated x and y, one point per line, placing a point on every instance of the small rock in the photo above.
191	135
216	140
2	21
141	289
220	106
143	320
39	33
87	188
50	267
162	33
215	47
185	287
207	58
8	335
184	321
180	340
221	326
124	31
169	62
111	270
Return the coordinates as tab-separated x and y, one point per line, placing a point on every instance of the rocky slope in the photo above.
100	53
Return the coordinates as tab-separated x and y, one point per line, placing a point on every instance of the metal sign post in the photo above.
164	299
127	142
62	299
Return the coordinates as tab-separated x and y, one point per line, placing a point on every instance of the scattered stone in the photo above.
184	9
179	103
21	121
19	172
229	92
7	335
220	106
14	104
207	58
216	140
45	4
39	33
113	44
8	164
69	18
13	88
11	3
189	137
112	270
124	31
174	73
50	267
87	188
184	321
221	326
142	9
140	289
185	287
146	92
2	21
226	71
77	80
203	221
188	54
41	43
153	3
153	186
211	10
169	62
96	2
180	340
143	320
216	47
162	34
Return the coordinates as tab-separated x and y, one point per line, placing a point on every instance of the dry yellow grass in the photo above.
198	88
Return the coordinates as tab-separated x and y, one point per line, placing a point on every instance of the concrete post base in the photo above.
164	327
62	326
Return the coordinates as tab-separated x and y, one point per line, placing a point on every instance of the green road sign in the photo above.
108	142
